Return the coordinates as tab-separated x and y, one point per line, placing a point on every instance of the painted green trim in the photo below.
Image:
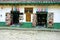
56	25
29	25
23	25
2	24
26	25
30	3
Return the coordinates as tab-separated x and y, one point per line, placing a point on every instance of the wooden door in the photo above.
28	17
28	12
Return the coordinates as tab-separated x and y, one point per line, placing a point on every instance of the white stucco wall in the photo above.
3	13
56	12
24	16
21	9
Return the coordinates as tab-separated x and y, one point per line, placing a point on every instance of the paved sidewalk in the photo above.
28	35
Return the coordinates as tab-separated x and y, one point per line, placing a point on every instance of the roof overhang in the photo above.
31	3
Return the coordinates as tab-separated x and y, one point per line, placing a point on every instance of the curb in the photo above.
30	29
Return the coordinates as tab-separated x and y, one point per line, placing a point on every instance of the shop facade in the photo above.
32	16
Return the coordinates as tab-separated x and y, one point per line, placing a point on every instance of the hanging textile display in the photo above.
20	18
34	20
8	19
50	20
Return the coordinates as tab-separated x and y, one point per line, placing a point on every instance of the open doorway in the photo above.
42	19
15	17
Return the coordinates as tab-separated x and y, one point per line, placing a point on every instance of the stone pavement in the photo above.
28	35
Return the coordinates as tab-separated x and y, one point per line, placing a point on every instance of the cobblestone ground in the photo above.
28	35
